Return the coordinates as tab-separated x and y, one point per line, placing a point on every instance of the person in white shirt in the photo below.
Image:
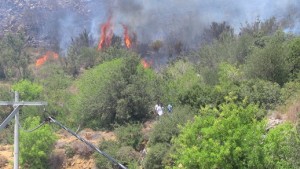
159	109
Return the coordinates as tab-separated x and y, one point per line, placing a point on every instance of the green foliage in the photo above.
279	147
79	55
14	59
28	90
229	138
294	55
129	135
290	91
201	95
155	156
56	90
270	61
35	147
116	91
266	94
168	125
163	131
125	155
177	79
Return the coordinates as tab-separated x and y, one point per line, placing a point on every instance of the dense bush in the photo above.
177	79
155	156
117	91
36	146
129	135
125	155
232	138
168	125
264	93
270	61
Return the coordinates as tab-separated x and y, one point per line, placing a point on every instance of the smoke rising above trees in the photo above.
167	20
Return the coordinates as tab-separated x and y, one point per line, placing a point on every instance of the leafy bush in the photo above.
264	93
155	156
129	135
125	155
35	147
232	138
28	90
168	125
270	61
177	79
117	91
229	138
201	95
280	147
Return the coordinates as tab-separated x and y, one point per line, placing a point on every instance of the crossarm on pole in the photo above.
9	117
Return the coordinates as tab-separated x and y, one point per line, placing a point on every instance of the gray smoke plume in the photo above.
167	20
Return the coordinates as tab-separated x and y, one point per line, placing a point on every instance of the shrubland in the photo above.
222	94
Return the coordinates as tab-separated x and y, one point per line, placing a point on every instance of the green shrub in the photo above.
168	125
227	138
129	135
155	156
125	155
35	147
117	91
281	147
109	147
264	93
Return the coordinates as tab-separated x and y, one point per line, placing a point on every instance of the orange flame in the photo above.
49	54
127	39
145	63
106	34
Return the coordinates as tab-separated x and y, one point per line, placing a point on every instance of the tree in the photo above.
116	91
225	138
55	82
35	147
28	90
269	62
79	54
294	55
232	137
13	56
177	79
216	31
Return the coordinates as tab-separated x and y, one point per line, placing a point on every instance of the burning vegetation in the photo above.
47	56
107	35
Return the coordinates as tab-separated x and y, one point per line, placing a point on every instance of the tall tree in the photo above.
13	56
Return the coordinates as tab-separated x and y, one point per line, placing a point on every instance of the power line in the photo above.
50	119
35	128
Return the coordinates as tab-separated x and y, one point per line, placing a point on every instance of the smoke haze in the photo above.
150	20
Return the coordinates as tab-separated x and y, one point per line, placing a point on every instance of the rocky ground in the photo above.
69	152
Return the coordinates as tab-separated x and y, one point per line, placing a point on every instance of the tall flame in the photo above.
127	39
106	34
48	55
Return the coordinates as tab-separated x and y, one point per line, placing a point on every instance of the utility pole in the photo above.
16	105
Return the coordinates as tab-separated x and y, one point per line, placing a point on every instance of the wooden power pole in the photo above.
16	105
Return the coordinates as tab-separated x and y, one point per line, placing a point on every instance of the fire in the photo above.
127	39
106	34
145	63
48	55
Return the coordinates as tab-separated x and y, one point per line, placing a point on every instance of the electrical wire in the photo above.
32	130
50	119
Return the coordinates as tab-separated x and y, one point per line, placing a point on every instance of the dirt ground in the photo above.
76	161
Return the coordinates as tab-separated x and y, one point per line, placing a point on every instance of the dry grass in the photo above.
292	112
3	161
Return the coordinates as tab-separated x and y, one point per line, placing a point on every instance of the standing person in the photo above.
159	109
170	108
